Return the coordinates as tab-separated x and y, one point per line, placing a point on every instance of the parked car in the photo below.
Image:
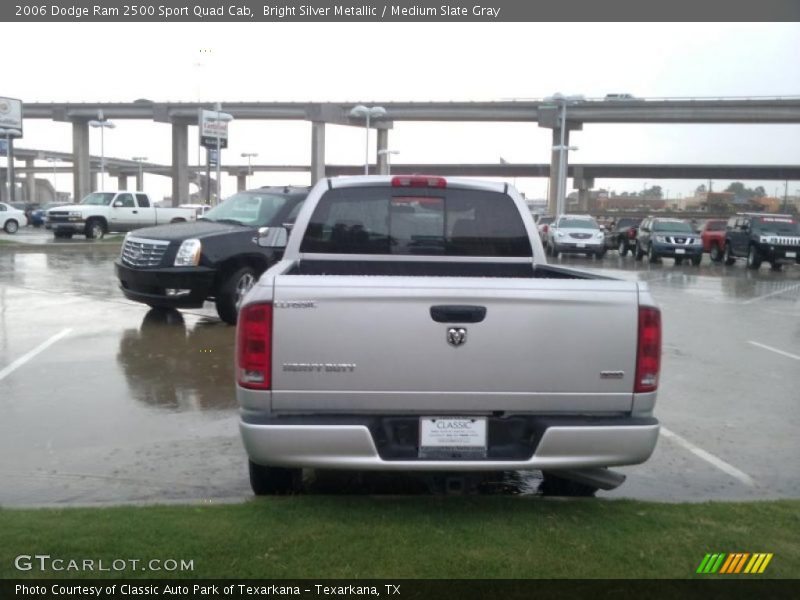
621	235
713	236
217	258
39	216
759	237
403	331
576	234
103	212
11	218
543	225
659	237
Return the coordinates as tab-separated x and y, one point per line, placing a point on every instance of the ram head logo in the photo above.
456	336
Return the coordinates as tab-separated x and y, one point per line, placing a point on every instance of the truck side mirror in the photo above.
117	204
272	237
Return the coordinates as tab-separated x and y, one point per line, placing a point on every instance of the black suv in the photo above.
762	237
219	257
659	237
621	235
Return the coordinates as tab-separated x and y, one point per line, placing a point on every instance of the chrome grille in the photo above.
139	252
580	236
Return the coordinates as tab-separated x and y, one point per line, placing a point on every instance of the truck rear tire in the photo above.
232	291
273	481
558	486
696	260
95	230
715	253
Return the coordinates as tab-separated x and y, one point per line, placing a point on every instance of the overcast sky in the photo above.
413	62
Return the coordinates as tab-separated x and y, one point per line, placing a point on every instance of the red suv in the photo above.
713	236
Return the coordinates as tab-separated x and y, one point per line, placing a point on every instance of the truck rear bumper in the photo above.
564	444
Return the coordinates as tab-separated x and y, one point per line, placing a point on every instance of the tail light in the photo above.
648	351
545	228
631	233
254	347
417	181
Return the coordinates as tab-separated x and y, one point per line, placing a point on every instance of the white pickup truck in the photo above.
103	212
403	329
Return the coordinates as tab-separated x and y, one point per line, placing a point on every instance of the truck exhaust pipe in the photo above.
600	477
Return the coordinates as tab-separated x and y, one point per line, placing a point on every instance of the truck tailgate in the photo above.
344	344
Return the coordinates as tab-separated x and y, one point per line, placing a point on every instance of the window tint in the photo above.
127	200
676	226
574	223
143	200
776	225
390	220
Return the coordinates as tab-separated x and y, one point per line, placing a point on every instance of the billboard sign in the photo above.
11	114
213	128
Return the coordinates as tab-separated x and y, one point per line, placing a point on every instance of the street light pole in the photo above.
562	148
53	160
102	123
375	112
140	160
10	134
248	156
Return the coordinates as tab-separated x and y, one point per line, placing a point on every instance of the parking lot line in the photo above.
775	293
26	357
709	458
771	349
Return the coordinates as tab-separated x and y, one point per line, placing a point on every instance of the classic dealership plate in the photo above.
452	437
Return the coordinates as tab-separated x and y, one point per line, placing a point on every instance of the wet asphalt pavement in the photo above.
130	405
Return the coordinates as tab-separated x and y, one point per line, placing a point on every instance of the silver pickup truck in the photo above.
403	331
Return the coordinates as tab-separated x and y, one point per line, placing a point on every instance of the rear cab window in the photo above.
410	221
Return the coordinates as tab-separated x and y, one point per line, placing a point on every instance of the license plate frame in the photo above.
453	437
680	251
791	254
580	245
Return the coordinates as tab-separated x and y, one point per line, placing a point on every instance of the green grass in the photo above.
410	537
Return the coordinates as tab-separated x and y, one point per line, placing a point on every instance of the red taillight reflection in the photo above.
254	347
418	181
545	228
631	233
648	352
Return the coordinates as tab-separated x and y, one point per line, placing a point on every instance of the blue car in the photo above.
38	216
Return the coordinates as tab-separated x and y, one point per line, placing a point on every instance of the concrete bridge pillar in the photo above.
241	182
122	182
584	186
140	181
30	181
555	169
92	183
383	144
180	163
3	186
317	151
80	161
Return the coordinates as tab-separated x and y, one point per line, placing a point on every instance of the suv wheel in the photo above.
696	260
11	226
652	256
232	292
622	247
776	266
269	481
729	257
558	486
753	258
715	253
